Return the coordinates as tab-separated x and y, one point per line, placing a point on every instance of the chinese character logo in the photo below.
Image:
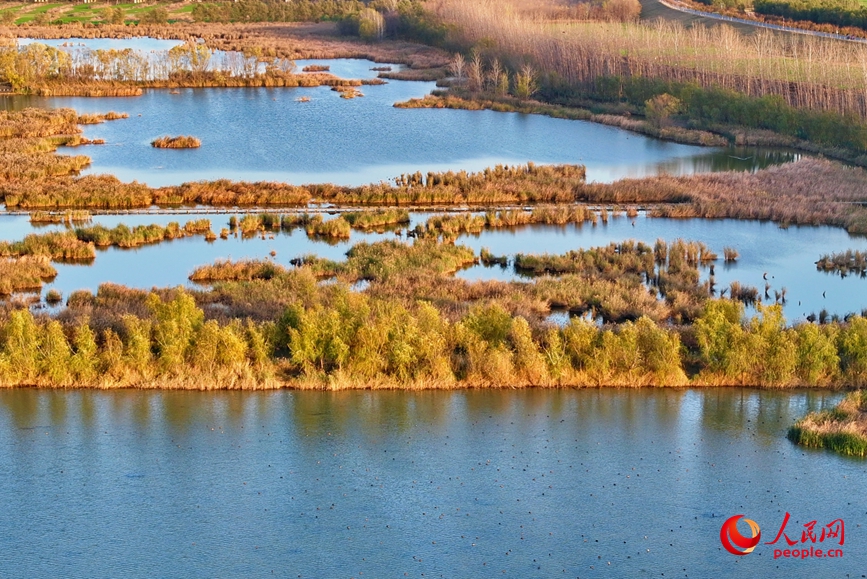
734	542
809	546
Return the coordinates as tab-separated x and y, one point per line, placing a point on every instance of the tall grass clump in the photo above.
25	273
842	429
181	142
59	245
376	219
225	270
338	228
67	217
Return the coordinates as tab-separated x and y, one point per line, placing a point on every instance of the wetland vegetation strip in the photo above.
417	327
39	69
844	263
78	244
501	103
810	191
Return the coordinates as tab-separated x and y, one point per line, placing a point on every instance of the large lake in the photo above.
266	134
539	483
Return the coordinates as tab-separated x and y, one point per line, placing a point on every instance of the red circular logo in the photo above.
734	542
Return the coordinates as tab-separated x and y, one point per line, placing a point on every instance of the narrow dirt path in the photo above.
669	10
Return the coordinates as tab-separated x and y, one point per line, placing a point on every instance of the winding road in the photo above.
652	9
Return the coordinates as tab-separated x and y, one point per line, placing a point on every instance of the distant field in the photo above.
832	15
66	12
653	9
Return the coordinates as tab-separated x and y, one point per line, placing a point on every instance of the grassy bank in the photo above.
704	121
842	429
768	88
470	102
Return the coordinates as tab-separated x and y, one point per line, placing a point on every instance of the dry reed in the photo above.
181	142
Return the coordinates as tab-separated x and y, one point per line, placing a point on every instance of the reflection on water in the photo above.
265	134
531	483
140	43
749	159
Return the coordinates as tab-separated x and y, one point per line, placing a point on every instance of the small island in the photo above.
181	142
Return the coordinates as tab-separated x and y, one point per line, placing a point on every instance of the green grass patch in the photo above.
840	429
846	443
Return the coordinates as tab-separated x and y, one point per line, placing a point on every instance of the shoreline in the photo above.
723	136
178	385
296	41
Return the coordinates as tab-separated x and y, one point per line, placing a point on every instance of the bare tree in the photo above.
493	76
525	82
476	73
457	66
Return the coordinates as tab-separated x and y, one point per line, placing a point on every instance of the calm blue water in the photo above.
474	484
266	134
141	43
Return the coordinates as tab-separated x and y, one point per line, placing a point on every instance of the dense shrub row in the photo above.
338	338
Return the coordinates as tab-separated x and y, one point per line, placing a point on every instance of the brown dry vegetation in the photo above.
67	217
57	245
451	100
24	273
244	270
809	191
180	142
805	71
844	263
293	41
